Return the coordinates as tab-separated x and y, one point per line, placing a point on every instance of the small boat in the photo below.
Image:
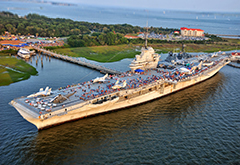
24	53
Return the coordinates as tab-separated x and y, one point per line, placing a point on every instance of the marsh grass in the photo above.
102	53
119	52
14	70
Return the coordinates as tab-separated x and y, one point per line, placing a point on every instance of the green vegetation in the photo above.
97	39
110	38
116	53
14	70
8	52
101	53
35	24
226	45
191	47
91	40
214	37
83	34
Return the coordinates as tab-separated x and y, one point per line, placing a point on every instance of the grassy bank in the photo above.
14	70
116	53
207	48
102	53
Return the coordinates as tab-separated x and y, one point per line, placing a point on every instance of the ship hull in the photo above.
126	99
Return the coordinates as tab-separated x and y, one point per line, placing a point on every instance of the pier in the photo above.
76	61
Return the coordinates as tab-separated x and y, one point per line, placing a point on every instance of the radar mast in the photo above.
183	46
146	33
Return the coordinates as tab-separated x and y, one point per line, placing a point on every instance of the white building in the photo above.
192	32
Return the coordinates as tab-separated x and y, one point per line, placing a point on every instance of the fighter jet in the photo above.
100	79
117	86
185	70
42	92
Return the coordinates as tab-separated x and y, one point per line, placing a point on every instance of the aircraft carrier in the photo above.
147	79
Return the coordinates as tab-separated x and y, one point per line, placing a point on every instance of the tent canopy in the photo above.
17	45
139	70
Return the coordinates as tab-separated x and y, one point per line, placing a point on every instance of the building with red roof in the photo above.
190	32
131	37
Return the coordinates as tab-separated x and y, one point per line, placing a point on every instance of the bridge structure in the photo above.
74	60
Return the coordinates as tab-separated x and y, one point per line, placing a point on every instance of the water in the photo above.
210	22
199	125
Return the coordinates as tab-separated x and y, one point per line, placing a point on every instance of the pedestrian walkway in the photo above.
76	61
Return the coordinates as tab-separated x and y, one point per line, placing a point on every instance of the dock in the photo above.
102	69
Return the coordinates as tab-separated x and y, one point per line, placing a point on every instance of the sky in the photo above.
189	5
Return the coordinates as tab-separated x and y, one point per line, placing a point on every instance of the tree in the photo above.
103	34
2	29
21	28
101	39
110	38
9	27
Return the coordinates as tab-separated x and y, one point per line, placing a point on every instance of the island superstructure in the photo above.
146	81
146	60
